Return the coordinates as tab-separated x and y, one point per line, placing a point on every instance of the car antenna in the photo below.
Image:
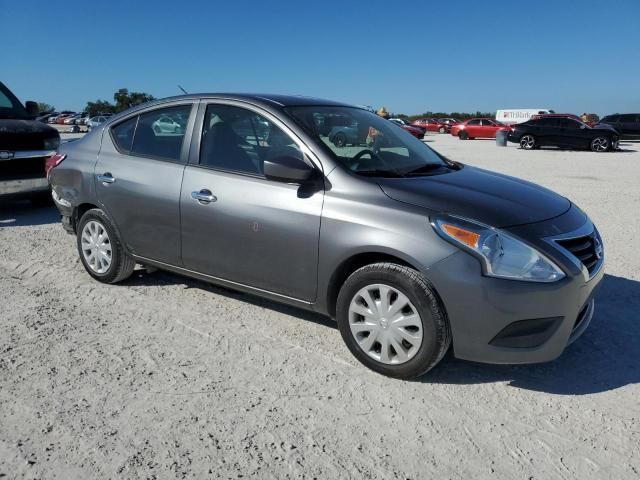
183	90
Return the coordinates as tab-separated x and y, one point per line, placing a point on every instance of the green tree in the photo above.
45	107
125	100
99	106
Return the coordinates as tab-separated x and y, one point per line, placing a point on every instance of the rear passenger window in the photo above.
159	133
627	118
122	134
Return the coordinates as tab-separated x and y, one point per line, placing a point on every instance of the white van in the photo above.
511	117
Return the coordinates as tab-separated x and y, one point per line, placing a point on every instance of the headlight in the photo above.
502	255
52	143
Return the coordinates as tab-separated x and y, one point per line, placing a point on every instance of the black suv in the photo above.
25	144
627	124
563	132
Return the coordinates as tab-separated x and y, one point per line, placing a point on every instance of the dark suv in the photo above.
627	124
25	145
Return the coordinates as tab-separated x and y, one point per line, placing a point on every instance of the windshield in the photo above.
367	144
10	107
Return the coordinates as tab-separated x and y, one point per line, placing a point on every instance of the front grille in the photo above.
22	168
587	249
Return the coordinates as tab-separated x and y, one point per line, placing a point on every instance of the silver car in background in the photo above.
410	252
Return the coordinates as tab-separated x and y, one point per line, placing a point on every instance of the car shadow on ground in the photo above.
159	278
605	358
23	213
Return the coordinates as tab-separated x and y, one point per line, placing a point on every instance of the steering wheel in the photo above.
362	153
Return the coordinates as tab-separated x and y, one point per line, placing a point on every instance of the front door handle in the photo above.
106	178
204	196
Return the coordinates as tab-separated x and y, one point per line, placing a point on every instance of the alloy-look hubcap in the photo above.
600	144
96	247
385	324
527	142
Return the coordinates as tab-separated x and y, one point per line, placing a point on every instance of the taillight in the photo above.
53	161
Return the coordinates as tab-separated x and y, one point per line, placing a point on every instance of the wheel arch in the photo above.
352	263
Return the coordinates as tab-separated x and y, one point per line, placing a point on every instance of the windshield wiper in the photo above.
378	173
429	167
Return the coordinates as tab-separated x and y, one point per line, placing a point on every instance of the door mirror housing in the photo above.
287	169
32	109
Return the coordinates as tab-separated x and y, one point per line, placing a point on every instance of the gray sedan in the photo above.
409	252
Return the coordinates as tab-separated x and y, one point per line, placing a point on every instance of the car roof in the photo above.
267	100
273	99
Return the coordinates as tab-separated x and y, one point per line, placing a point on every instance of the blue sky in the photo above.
410	56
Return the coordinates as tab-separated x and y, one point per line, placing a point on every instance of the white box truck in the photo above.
519	115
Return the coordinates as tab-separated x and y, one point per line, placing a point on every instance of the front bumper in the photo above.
503	321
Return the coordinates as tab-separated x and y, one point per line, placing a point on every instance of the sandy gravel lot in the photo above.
165	377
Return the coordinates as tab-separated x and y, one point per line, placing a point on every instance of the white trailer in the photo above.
519	115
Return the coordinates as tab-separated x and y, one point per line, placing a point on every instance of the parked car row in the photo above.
563	130
72	118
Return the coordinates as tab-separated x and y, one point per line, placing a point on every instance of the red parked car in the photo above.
416	132
446	124
430	124
478	128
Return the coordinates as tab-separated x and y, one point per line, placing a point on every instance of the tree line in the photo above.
122	99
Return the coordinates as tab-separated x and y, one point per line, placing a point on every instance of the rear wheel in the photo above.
463	135
392	320
442	130
100	249
527	142
600	144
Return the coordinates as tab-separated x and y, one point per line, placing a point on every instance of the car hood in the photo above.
24	134
604	126
488	197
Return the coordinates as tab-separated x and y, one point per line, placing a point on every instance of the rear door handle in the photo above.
204	196
105	178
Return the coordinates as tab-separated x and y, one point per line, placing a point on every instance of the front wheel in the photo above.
463	135
442	130
600	144
392	320
340	140
100	249
527	142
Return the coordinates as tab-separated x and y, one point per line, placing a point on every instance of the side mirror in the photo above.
287	169
32	109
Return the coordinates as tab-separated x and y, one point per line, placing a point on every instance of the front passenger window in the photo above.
240	140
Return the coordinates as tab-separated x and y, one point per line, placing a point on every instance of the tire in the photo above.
340	140
527	142
403	286
120	265
442	130
463	135
601	143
